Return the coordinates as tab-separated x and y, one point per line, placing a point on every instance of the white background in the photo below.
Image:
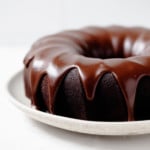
21	23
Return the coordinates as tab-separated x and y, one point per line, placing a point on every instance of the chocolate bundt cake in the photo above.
100	74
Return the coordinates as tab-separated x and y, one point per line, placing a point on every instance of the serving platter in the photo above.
17	96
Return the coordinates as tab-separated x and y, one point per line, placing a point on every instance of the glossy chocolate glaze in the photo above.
94	51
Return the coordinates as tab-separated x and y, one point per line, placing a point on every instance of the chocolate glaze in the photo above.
93	51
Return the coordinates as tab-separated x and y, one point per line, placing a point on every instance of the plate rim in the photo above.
77	125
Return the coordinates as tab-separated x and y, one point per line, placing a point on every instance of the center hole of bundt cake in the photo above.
105	51
110	49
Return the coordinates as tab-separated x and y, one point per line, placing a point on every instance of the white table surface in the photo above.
18	132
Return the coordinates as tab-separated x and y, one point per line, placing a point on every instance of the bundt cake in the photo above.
95	73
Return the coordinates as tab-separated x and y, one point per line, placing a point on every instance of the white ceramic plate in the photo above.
16	92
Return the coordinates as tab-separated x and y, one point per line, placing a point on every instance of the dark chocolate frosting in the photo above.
123	51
